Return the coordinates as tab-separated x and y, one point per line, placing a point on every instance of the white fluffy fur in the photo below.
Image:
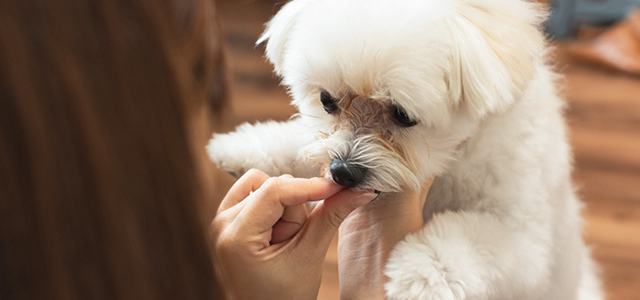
501	219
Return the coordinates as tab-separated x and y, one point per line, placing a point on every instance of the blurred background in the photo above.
597	49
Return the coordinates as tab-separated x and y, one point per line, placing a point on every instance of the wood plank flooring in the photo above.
603	113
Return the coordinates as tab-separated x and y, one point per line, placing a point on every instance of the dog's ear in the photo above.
278	31
495	54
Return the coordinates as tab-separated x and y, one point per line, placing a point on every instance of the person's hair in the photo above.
100	178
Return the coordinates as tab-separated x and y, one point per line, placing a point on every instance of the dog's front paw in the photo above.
432	280
424	266
267	146
224	151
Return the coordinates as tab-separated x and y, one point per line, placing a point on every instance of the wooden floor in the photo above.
603	112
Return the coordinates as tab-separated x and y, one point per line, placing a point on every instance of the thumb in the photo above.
327	216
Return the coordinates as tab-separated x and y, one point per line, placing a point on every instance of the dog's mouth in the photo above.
362	163
351	175
381	173
347	174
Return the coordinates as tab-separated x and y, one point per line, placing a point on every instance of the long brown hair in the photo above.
102	111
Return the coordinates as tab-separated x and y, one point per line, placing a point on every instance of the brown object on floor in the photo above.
617	47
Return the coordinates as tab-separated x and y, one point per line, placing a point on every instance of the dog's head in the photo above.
394	87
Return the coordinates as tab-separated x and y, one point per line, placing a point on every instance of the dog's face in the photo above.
394	87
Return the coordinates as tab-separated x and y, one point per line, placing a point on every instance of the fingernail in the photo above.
364	199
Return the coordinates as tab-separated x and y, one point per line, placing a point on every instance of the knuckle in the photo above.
225	242
253	174
271	185
306	187
219	223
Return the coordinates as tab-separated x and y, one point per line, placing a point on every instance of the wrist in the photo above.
366	240
389	216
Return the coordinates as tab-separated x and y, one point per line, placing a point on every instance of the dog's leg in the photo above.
273	147
471	255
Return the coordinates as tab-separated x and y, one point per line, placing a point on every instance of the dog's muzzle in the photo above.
346	174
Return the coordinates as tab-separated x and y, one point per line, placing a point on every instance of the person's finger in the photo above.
233	211
324	220
248	183
266	205
291	221
293	218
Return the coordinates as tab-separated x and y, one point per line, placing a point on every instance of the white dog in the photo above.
392	93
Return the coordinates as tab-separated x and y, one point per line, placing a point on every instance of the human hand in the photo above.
266	244
368	236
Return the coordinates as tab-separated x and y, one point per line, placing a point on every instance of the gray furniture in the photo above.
567	15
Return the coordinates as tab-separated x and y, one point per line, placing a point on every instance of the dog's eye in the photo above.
401	116
328	102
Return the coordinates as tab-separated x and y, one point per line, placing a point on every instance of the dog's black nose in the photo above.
345	174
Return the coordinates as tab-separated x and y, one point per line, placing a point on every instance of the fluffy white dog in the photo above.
391	93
